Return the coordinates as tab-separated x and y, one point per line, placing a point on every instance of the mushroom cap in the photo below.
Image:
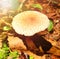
29	23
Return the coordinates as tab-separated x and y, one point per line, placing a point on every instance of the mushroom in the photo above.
29	23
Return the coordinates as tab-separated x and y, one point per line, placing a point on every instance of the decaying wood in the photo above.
54	51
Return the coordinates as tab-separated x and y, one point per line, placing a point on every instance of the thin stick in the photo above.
6	23
20	7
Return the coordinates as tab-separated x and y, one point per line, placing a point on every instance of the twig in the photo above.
49	2
6	23
20	7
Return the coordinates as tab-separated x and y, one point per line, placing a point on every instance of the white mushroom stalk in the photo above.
29	23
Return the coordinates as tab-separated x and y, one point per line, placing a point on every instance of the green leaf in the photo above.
31	57
4	52
6	28
37	6
14	54
50	27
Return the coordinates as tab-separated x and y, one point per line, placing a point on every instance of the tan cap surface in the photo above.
29	23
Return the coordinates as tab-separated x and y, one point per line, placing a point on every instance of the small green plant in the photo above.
50	27
37	6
